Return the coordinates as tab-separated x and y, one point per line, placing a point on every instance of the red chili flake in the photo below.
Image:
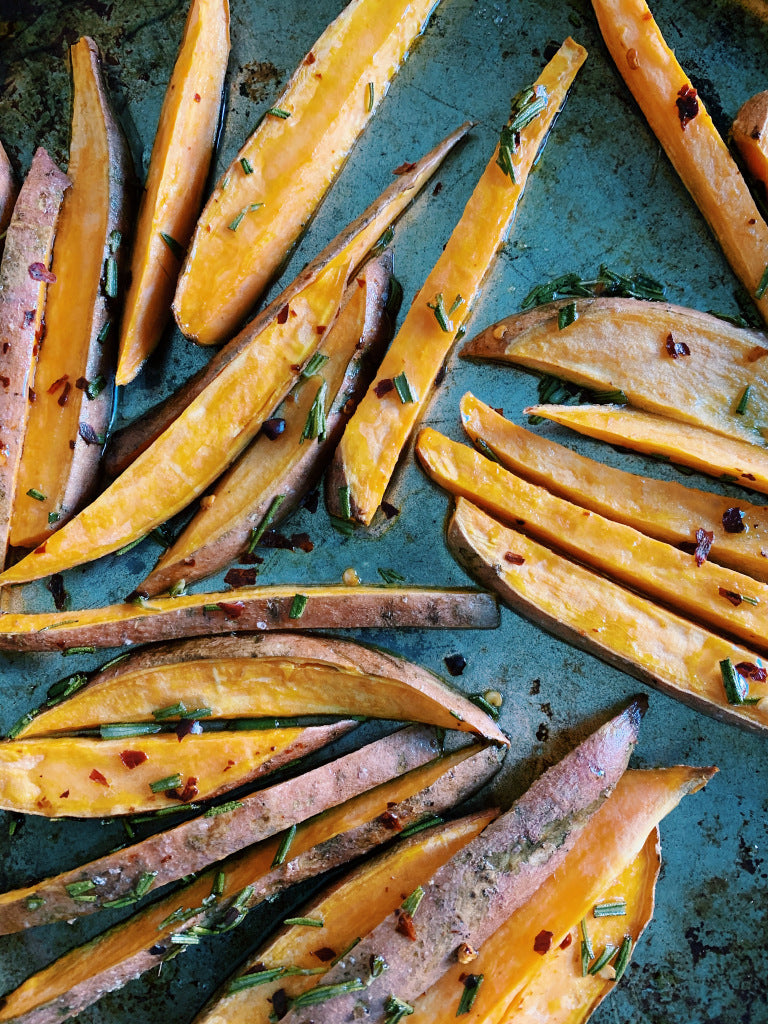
96	776
676	348
5	381
189	792
228	765
687	105
197	97
543	942
733	520
133	758
751	671
64	396
64	795
512	558
404	168
455	663
40	549
389	510
732	596
310	58
282	316
72	445
190	561
320	328
39	272
633	60
499	410
273	428
405	925
240	577
29	316
59	382
89	435
187	727
566	941
7	348
324	954
32	395
56	586
748	476
232	609
384	387
390	820
704	539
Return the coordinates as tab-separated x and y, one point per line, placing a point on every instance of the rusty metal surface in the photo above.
603	191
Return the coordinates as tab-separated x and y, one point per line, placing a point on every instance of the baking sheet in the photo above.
603	192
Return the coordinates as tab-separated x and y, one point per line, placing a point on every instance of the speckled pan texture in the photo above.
602	192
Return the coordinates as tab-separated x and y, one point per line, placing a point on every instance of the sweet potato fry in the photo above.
663	509
656	646
750	134
379	429
25	275
282	172
74	381
667	360
8	192
262	676
178	171
246	609
735	462
682	125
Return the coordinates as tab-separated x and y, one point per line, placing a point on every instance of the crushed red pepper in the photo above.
405	924
133	758
754	672
731	595
687	105
704	539
733	520
96	776
543	942
676	348
39	272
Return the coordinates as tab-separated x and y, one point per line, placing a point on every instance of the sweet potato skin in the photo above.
750	134
8	190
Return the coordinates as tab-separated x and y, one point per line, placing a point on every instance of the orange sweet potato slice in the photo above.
723	599
327	841
277	470
750	134
259	676
682	125
668	360
656	646
178	171
74	387
25	276
663	509
250	608
270	191
379	429
732	461
8	192
351	246
83	777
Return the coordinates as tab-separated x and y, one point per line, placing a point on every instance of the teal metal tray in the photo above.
602	192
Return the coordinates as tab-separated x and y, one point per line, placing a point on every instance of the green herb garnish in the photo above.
736	686
172	711
741	408
441	314
284	847
411	903
34	902
82	890
121	730
566	315
94	387
419	826
322	993
169	782
313	365
223	808
485	449
603	960
479	700
101	337
305	922
110	277
612	908
396	1009
369	97
278	112
317	422
391	577
176	247
403	388
246	164
129	546
625	951
298	604
254	978
472	983
761	288
78	650
235	224
344	502
53	517
259	531
37	495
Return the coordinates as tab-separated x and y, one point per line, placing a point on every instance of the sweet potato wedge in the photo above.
735	462
8	192
725	600
81	976
663	509
283	468
511	958
265	675
178	171
351	245
382	423
348	909
749	132
667	359
74	381
656	646
82	777
247	609
682	125
354	792
512	857
270	191
24	279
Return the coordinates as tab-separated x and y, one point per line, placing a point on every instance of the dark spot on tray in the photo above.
747	860
535	687
257	80
542	733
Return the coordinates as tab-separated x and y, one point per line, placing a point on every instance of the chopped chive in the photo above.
235	224
34	902
566	315
77	889
96	386
144	883
749	600
20	724
121	730
741	408
614	397
441	314
344	502
65	687
218	883
507	147
258	532
164	812
612	908
585	937
317	422
172	711
176	247
391	577
110	277
215	607
383	241
185	938
169	782
37	495
322	993
602	961
119	903
736	686
396	1009
246	164
403	388
101	337
625	951
277	112
284	847
305	922
231	805
369	97
455	714
313	365
254	978
419	826
472	984
411	903
761	288
298	604
78	650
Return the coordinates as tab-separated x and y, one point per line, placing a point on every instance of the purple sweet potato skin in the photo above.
470	896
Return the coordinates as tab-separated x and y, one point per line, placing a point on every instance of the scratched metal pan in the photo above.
603	191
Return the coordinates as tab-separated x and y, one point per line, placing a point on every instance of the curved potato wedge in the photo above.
81	777
750	134
178	171
270	191
8	190
74	381
246	609
653	644
664	509
264	676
